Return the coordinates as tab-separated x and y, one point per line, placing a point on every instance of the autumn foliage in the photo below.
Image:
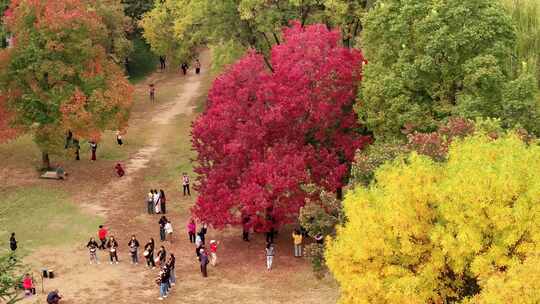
266	133
58	75
461	231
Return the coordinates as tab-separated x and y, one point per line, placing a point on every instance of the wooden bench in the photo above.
57	174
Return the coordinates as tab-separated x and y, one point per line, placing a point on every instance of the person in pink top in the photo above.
28	285
191	227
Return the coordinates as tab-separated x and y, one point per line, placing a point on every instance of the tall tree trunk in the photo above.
339	193
46	163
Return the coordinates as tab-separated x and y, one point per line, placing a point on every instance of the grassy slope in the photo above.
42	217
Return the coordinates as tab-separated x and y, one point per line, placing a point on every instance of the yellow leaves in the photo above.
424	229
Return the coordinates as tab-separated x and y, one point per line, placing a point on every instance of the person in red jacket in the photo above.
28	285
102	234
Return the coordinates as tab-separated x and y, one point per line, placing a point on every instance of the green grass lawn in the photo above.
42	217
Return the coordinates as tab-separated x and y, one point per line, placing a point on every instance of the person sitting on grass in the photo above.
119	170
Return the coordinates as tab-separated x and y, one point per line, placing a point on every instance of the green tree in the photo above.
10	278
431	59
58	75
462	231
178	27
135	9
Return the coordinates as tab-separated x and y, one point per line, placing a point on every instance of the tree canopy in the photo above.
58	75
462	231
265	134
178	27
432	59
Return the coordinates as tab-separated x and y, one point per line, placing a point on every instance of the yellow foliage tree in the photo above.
463	231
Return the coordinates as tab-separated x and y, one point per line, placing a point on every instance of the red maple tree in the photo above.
266	136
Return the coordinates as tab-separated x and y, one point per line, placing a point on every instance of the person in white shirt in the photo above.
168	231
185	184
157	205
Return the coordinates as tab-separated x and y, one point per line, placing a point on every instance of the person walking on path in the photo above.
119	138
162	61
191	227
197	66
168	231
152	91
102	235
203	258
213	252
113	246
162	201
157	205
134	249
92	246
150	202
297	241
149	254
162	222
202	233
184	68
185	184
270	252
171	263
93	147
12	242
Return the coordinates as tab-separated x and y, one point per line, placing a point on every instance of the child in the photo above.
152	92
119	170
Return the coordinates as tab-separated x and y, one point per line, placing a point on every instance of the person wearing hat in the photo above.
213	252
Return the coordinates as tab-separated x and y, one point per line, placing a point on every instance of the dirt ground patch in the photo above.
240	276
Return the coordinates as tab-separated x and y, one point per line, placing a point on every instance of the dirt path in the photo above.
239	278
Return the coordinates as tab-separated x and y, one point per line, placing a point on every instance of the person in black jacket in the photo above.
162	256
12	242
171	265
162	222
134	249
112	244
149	253
92	246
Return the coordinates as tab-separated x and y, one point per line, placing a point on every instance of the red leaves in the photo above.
265	135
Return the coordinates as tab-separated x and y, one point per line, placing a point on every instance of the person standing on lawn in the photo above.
162	282
161	256
191	227
171	263
134	249
102	235
162	222
92	246
149	254
113	247
150	202
157	205
213	252
185	184
12	242
270	252
202	233
297	241
168	231
162	201
93	147
119	138
203	258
